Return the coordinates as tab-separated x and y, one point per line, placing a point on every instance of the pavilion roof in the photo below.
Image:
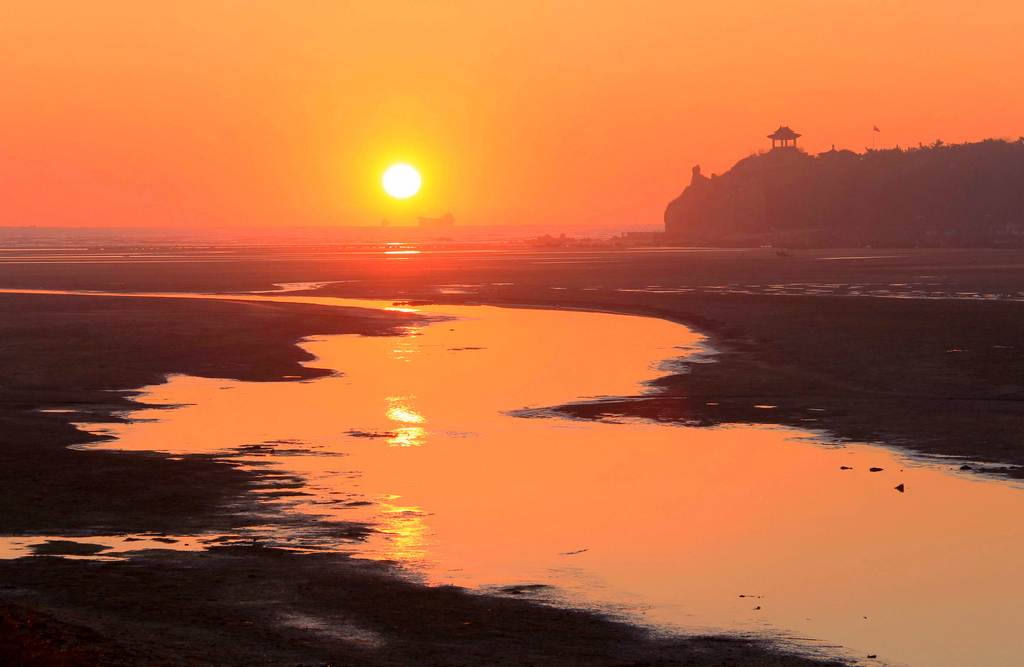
783	133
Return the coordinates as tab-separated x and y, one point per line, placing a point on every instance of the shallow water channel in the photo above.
736	528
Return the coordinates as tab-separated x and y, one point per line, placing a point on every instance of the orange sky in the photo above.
284	113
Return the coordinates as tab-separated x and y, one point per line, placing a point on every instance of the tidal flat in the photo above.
76	599
784	380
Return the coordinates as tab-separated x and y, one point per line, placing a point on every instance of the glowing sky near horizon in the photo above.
590	112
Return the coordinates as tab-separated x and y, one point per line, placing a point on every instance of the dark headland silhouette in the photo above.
938	195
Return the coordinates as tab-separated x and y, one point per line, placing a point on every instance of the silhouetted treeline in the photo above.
937	195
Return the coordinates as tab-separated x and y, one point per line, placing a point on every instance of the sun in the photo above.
401	180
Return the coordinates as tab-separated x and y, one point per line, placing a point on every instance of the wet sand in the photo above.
935	366
230	605
669	524
938	375
938	378
86	355
245	606
852	365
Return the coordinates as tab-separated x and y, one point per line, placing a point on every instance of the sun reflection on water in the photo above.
400	411
406	346
406	533
409	436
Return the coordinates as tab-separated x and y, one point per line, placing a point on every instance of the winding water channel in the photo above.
735	528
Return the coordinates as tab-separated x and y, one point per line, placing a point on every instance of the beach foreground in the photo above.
822	357
238	603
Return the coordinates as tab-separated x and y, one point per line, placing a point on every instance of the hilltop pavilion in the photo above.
783	137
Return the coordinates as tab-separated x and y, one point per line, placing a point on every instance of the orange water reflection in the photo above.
678	523
400	412
406	532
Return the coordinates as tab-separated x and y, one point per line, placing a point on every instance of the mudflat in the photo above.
918	349
83	356
912	348
241	603
937	377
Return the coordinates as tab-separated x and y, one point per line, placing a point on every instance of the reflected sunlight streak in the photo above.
400	412
406	436
406	532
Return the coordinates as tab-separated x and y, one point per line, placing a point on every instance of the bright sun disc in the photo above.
401	181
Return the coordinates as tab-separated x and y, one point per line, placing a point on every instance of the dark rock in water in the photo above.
966	467
757	608
845	468
524	589
900	488
66	548
875	469
356	433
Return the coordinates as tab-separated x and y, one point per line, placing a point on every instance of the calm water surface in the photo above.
738	528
